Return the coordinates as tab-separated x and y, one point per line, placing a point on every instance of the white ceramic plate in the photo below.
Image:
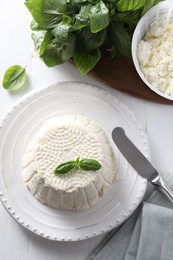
20	124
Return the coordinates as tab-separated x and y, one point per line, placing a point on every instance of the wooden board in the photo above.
122	76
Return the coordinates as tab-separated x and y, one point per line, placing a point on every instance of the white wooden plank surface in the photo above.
16	47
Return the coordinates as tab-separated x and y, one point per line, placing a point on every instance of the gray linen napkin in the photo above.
147	234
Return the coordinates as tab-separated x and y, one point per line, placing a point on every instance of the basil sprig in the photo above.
85	164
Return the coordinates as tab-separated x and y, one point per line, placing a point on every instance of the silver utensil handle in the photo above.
161	185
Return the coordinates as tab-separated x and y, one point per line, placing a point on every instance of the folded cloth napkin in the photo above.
146	235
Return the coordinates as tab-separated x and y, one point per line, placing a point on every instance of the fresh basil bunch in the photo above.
77	29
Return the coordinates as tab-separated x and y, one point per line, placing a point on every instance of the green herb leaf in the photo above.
46	40
41	39
64	167
99	17
61	31
47	13
89	164
37	37
121	39
114	53
92	40
34	26
78	2
127	18
132	5
58	52
14	78
80	22
84	59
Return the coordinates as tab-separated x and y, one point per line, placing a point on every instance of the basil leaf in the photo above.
84	59
58	52
77	2
41	40
34	26
46	40
92	40
83	14
80	22
47	13
14	78
114	53
64	167
96	15
124	5
37	37
127	18
82	18
121	39
61	31
93	1
99	17
89	164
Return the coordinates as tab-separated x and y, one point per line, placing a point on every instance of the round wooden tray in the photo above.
122	76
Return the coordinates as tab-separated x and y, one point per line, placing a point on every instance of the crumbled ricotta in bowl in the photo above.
64	138
155	56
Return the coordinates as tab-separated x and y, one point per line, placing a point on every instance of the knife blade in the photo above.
139	162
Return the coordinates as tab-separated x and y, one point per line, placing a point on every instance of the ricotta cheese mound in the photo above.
64	138
155	56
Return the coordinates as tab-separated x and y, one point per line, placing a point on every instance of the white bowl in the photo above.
162	12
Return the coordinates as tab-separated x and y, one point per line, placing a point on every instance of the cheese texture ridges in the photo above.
64	138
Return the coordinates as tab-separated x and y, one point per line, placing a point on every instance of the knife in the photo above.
139	162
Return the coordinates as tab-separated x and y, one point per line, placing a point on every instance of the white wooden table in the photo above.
16	47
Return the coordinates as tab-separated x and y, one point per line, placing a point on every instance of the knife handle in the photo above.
162	186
